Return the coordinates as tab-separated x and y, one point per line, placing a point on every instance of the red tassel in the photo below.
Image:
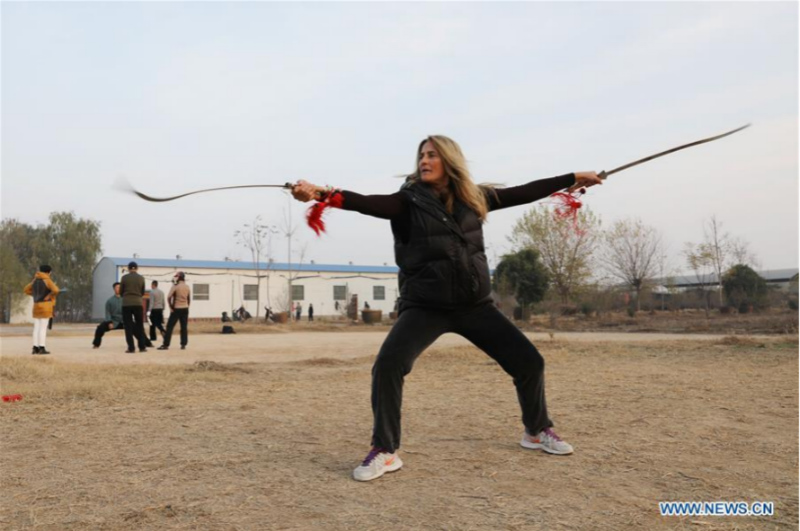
314	214
567	205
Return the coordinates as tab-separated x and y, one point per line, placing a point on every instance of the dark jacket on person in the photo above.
114	310
132	289
44	291
442	262
441	255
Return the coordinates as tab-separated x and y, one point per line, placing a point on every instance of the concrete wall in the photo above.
103	277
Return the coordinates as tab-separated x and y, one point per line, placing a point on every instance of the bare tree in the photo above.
566	246
700	259
286	301
288	228
741	254
632	254
724	251
257	238
665	273
718	248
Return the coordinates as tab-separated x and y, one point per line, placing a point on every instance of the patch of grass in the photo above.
741	341
47	380
205	365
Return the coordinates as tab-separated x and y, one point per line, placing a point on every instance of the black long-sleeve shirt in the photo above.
396	207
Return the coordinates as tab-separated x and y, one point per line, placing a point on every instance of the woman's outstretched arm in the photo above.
379	206
535	190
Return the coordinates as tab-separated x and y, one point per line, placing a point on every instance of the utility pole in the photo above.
289	232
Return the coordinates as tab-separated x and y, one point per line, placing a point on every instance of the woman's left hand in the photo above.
585	179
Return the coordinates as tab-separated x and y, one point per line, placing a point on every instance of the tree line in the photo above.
564	261
71	245
576	264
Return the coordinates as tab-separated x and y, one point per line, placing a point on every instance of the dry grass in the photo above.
46	381
773	321
271	446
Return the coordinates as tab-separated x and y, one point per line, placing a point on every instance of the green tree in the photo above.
17	263
24	241
566	246
523	275
744	287
12	280
71	245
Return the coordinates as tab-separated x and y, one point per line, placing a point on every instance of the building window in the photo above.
200	292
298	292
339	293
251	292
379	293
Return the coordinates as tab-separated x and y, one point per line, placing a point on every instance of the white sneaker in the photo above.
377	463
548	441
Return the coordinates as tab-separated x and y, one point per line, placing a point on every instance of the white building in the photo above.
225	286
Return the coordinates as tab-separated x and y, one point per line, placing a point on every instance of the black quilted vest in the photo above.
442	264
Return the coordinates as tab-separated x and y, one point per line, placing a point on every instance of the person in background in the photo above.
310	312
298	311
113	320
132	291
179	298
156	310
44	292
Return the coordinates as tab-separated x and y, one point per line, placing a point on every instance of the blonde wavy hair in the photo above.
461	185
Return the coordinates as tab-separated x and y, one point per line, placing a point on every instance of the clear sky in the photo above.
182	96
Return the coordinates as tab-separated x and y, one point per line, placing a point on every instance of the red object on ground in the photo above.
12	398
315	211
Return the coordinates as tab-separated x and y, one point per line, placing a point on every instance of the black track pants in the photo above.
488	329
156	323
133	322
182	315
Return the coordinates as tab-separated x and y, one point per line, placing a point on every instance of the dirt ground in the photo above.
73	343
261	432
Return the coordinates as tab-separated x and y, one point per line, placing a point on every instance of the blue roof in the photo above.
221	264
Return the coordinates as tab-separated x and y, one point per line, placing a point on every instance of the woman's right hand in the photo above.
305	191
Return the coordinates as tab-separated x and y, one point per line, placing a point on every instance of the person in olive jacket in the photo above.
437	221
132	291
44	292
